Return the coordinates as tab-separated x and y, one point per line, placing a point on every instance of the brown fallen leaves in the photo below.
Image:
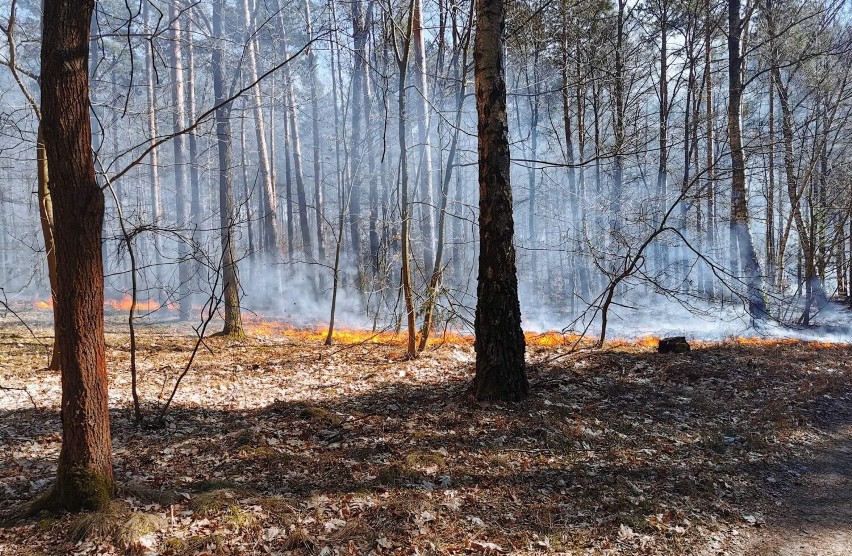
280	445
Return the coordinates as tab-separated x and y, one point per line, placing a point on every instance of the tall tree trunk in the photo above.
741	240
339	134
619	124
770	186
424	158
573	197
582	194
499	344
156	202
371	168
192	140
296	149
662	168
531	166
315	146
271	239
405	202
437	268
360	34
710	229
85	475
795	190
247	201
288	191
178	125
227	219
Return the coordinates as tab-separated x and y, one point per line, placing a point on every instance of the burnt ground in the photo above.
280	445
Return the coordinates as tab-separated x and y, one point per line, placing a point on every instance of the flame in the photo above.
641	342
147	305
551	338
345	335
43	304
122	304
768	342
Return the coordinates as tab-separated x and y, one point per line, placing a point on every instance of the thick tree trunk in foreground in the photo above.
500	346
84	477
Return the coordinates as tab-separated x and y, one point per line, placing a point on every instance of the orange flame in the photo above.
43	304
126	302
751	341
122	304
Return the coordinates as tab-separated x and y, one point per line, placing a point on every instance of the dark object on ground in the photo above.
676	344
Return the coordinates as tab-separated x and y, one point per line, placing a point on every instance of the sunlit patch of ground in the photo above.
279	444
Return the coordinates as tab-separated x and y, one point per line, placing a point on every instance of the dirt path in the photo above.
815	515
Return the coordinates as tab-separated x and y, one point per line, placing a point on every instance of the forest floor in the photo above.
281	445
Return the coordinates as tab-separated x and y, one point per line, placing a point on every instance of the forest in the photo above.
425	277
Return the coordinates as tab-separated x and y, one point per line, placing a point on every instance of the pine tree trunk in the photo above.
741	239
405	202
662	169
192	140
271	237
770	186
710	229
315	147
499	344
296	149
156	202
424	158
437	268
619	124
178	124
227	220
84	476
359	73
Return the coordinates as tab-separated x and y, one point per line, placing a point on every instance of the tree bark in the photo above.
178	124
360	34
710	229
421	115
437	268
154	156
272	241
85	475
662	169
405	201
742	244
296	147
619	124
318	193
499	343
227	219
192	140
